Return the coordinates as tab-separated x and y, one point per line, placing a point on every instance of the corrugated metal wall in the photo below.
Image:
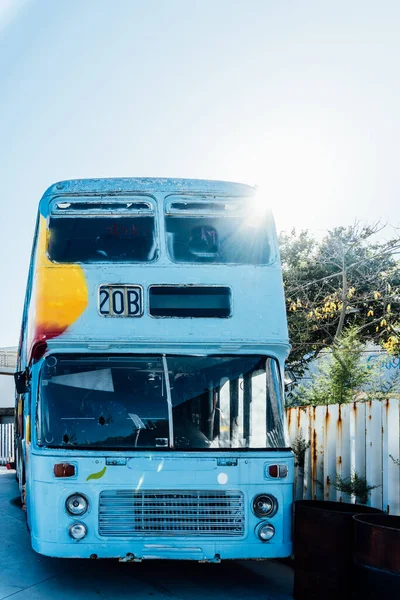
6	443
349	438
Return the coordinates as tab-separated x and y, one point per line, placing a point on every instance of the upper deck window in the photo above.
216	231
102	232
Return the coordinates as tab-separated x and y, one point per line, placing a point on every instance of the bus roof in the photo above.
149	185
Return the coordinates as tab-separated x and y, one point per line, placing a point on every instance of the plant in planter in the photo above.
299	448
356	486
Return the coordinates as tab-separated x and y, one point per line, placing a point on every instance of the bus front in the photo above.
158	414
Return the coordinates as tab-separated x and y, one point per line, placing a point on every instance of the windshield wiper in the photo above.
169	402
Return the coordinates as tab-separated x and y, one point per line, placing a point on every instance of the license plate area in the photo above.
120	301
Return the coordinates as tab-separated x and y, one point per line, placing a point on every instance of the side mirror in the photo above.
21	381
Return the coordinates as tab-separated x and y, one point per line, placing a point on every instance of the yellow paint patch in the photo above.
61	292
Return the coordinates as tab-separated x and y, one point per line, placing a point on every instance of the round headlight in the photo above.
76	504
265	532
77	531
265	505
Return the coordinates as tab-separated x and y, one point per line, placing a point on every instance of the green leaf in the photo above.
97	475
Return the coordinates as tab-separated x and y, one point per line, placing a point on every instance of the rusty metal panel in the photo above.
343	457
317	452
291	423
311	462
373	466
359	415
298	426
358	437
331	417
306	425
391	453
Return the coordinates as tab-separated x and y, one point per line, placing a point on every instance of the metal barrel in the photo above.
377	556
323	549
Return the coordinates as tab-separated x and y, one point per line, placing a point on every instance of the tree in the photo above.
346	279
342	375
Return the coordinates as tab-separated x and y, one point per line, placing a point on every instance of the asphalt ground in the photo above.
26	575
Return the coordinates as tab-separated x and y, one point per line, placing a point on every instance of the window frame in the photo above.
70	213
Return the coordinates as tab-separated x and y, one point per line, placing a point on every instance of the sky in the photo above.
299	98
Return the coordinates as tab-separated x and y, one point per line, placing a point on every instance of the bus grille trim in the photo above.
127	513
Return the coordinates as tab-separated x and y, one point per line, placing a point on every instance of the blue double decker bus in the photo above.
150	411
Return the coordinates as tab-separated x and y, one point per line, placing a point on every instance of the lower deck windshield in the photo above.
154	402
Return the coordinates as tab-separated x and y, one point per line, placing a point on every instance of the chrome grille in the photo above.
126	513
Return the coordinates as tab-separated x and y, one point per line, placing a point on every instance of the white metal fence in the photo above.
6	443
362	438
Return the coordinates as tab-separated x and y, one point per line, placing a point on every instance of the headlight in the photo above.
77	531
265	531
265	505
76	504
